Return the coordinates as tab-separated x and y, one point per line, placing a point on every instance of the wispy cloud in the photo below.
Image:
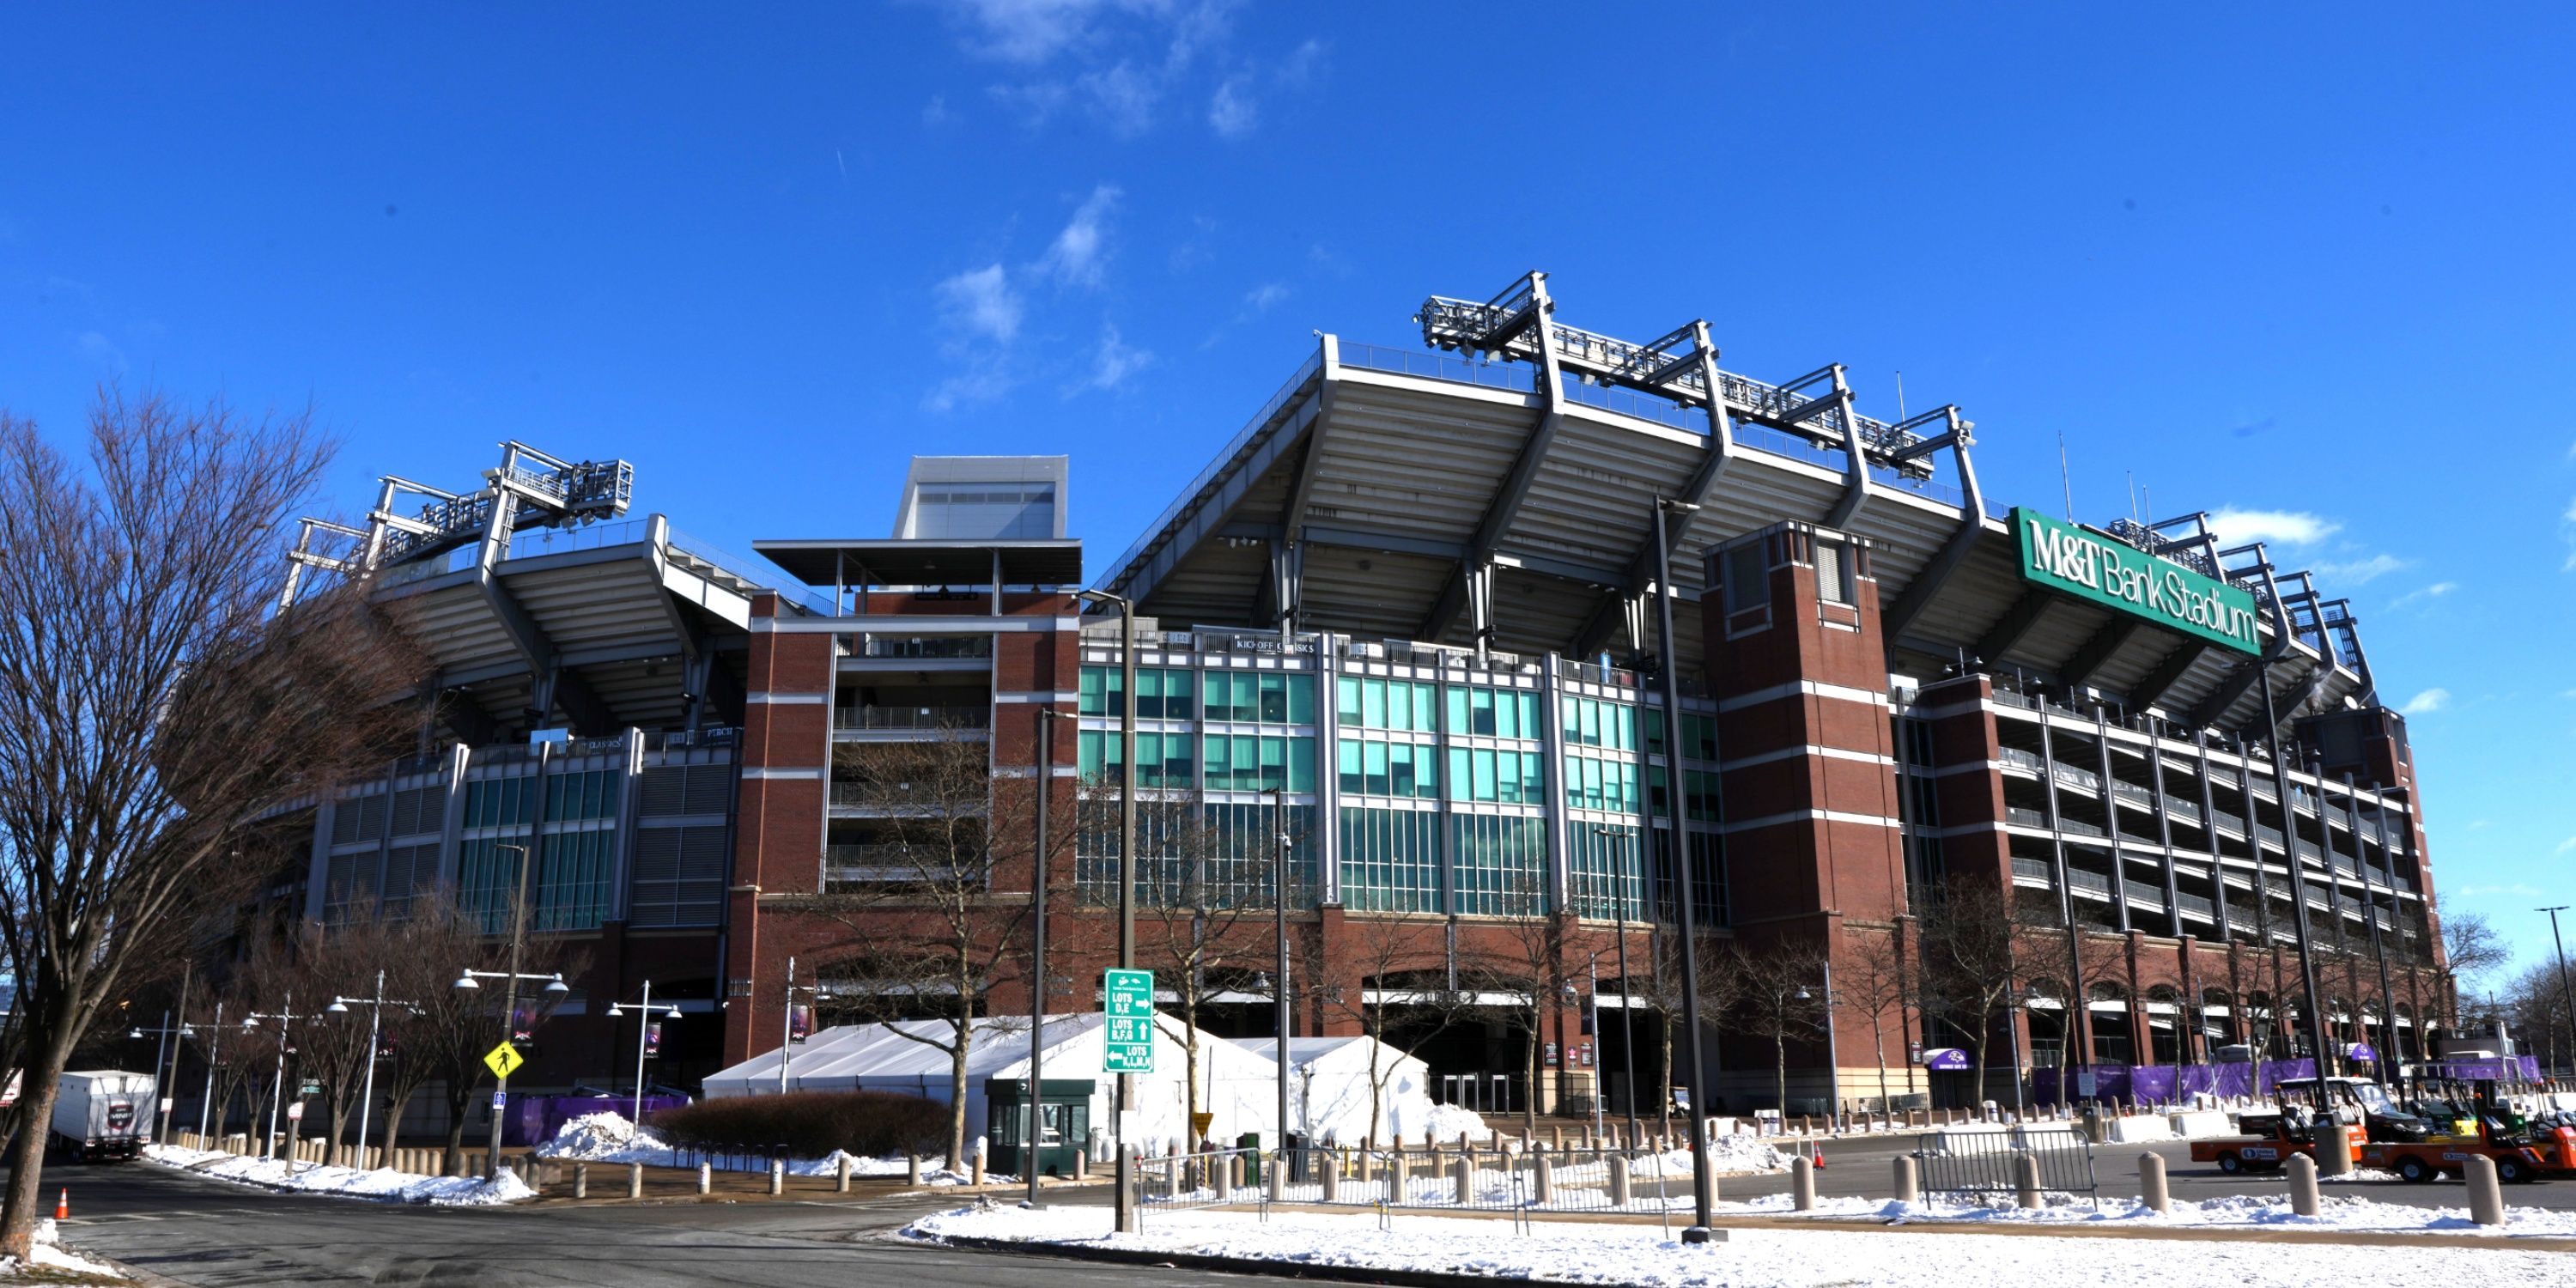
2286	527
102	352
1031	32
1115	360
980	301
1079	254
935	112
2361	572
1127	63
2567	532
1231	110
2426	703
2517	889
2424	594
2566	846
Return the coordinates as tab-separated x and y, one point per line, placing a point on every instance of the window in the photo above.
1390	859
1368	702
1833	572
1497	864
1248	697
1161	694
1590	722
1497	713
1505	777
1371	768
1747	586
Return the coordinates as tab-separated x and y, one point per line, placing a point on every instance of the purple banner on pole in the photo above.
2163	1082
1947	1059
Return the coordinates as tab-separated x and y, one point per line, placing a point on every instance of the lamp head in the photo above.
466	981
672	1014
616	1010
337	1007
135	1034
557	987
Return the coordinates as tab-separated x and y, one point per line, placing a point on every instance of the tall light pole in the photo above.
375	1025
2564	991
1833	1061
643	1038
1127	775
787	1021
277	1094
1627	1032
214	1052
1279	922
509	1000
161	1049
1677	846
1039	852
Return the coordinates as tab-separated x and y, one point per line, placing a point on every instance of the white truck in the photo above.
103	1114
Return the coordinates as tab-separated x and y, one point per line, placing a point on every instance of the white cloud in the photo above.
1116	360
2424	594
1123	97
1035	31
1079	253
1232	112
2567	530
1305	62
981	302
2426	703
1260	298
2286	527
2517	889
2361	572
103	352
935	112
2565	846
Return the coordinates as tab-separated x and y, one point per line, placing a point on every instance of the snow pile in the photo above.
1574	1252
605	1137
1445	1122
382	1184
46	1254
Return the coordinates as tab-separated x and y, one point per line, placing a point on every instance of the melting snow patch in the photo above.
382	1184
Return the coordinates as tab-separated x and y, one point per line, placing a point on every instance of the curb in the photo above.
1242	1265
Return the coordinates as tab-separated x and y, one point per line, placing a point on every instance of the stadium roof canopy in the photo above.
1365	493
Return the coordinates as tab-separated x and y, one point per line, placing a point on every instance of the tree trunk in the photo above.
957	1055
40	1084
1529	1101
1985	1039
1779	1068
395	1100
1878	1043
455	1158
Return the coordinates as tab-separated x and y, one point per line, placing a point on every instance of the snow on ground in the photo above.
47	1254
1445	1122
384	1184
608	1138
1568	1252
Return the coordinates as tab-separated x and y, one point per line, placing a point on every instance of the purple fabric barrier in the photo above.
2523	1067
535	1119
2156	1082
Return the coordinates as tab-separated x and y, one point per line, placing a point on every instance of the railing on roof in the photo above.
1190	492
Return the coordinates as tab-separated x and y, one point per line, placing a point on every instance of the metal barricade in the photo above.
1988	1162
1210	1179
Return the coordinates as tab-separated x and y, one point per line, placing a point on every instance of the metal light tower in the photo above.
1678	847
164	1053
1627	1031
2568	994
277	1095
1127	776
1279	922
643	1036
509	999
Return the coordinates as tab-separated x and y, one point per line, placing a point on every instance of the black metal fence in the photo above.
1989	1162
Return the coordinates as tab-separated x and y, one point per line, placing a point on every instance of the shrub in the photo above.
810	1124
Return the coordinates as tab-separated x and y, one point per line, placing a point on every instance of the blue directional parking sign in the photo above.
1128	998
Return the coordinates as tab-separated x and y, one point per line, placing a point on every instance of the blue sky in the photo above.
2306	265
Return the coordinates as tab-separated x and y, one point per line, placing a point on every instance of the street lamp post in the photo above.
1039	852
787	1022
643	1036
277	1093
1833	1061
1125	1183
2013	998
214	1052
1677	845
375	1025
1279	923
2564	991
1627	1030
554	986
163	1055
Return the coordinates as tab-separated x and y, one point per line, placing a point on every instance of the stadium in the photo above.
1484	653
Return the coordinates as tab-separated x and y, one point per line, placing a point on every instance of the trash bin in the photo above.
1251	1143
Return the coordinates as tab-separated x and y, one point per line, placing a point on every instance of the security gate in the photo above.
1987	1162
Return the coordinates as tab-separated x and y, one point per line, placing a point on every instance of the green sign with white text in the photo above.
2088	565
1127	997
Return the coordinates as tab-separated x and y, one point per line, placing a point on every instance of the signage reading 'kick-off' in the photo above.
2067	558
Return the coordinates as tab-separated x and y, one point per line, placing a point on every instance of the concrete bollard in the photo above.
1802	1184
1621	1193
1275	1177
2334	1150
976	1169
2486	1193
1546	1184
778	1176
1560	1138
1221	1179
1234	1173
634	1180
2152	1190
1331	1166
2026	1180
581	1180
841	1176
2303	1185
1909	1185
706	1178
912	1169
1466	1178
1395	1179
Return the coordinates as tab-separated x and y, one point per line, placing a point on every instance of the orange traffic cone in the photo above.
1820	1156
63	1205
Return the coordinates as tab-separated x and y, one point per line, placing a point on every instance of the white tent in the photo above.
1328	1087
1235	1085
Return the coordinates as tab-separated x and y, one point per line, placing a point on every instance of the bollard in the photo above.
2303	1185
1802	1184
1620	1192
778	1176
1909	1186
2151	1182
841	1176
1560	1138
1368	1166
976	1169
581	1180
1234	1173
912	1169
2026	1179
1221	1179
1081	1165
1332	1178
1546	1178
634	1180
2486	1194
2334	1149
1276	1177
1395	1179
706	1178
1466	1178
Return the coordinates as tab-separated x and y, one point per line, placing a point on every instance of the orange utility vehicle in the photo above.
2265	1142
2520	1155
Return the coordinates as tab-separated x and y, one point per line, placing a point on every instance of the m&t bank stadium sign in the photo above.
2087	565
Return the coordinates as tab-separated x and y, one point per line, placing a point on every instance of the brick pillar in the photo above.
778	847
1808	755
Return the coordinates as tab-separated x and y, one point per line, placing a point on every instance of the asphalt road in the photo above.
209	1233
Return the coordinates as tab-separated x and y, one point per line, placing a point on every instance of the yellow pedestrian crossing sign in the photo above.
503	1060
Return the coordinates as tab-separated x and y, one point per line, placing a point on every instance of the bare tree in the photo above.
1968	965
1782	990
1878	980
928	934
2052	959
1526	960
150	701
1392	976
442	1028
2472	948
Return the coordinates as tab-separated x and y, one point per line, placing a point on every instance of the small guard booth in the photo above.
1064	1122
